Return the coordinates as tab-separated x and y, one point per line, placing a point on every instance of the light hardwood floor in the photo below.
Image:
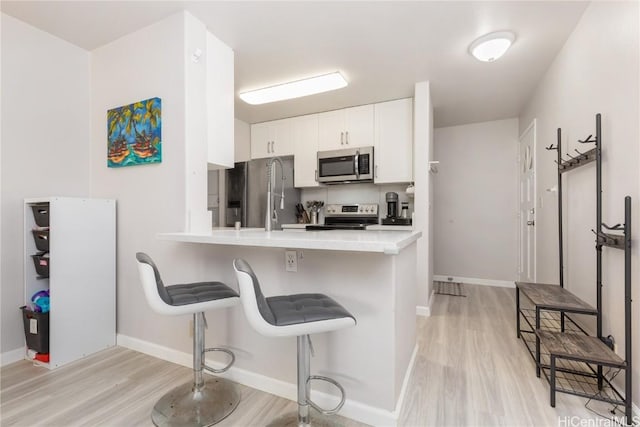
470	371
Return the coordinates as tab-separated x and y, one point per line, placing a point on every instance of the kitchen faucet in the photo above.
271	215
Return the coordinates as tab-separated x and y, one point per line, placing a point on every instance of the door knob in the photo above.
531	223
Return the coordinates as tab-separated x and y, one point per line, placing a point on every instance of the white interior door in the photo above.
527	205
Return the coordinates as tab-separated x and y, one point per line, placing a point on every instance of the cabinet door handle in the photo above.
376	172
341	138
273	150
346	137
268	142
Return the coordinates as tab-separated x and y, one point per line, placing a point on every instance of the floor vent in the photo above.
455	289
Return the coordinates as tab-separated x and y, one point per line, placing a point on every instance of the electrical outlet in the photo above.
291	261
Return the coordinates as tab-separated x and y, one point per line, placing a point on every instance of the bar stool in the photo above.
293	315
198	403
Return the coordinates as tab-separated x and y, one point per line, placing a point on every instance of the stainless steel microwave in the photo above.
347	165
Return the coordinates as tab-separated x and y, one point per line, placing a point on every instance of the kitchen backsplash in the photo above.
356	193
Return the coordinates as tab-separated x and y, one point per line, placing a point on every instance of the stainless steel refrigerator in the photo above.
246	195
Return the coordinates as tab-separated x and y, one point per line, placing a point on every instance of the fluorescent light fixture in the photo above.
492	46
295	89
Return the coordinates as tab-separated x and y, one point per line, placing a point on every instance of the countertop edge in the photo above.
332	243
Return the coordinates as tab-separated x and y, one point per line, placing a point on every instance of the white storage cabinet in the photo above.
304	134
393	155
82	275
270	139
346	128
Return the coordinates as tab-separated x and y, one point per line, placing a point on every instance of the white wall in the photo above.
476	200
45	117
596	72
151	198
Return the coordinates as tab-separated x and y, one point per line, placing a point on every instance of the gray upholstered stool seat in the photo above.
294	315
303	308
192	293
197	403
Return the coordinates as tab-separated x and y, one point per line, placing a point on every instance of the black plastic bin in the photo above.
41	238
36	330
41	263
41	214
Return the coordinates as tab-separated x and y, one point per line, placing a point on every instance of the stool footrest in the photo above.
335	383
221	370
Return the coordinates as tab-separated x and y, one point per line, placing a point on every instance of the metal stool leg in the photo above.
304	388
197	403
303	417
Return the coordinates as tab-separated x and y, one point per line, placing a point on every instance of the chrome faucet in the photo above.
271	215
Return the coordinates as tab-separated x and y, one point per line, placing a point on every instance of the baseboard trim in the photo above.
405	382
425	311
352	409
12	356
474	281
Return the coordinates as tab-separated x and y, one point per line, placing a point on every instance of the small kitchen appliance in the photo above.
393	216
347	217
345	166
392	204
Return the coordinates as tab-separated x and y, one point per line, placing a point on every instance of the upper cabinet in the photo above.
242	137
393	149
304	135
220	103
270	139
346	128
387	126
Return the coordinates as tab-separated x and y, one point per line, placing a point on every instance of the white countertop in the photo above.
387	242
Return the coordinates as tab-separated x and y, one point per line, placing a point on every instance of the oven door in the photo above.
345	165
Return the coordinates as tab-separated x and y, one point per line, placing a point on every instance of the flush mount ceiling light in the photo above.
296	89
492	46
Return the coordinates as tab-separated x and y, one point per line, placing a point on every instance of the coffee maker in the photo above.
393	215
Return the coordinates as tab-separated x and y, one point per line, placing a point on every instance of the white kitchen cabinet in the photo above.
271	139
304	135
242	141
346	128
81	274
393	149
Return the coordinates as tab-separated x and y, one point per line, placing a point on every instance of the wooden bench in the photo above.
581	348
550	298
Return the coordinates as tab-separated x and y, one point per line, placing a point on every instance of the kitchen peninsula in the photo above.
371	273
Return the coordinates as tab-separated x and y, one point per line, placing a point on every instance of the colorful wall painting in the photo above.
135	134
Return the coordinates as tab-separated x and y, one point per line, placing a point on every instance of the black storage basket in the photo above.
41	263
41	238
38	341
41	214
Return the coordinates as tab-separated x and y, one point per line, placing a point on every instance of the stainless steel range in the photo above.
347	217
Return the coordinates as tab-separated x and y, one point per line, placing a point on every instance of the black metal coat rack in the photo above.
617	236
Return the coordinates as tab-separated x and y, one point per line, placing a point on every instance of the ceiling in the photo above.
381	47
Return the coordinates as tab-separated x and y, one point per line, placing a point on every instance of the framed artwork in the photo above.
134	134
